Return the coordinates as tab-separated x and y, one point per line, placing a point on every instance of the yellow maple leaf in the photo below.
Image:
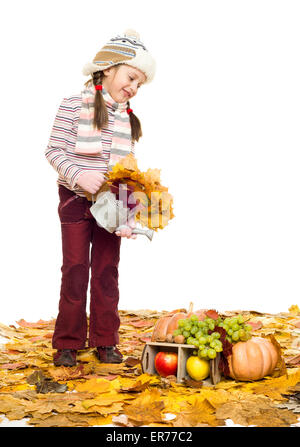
294	309
157	202
145	409
201	412
95	385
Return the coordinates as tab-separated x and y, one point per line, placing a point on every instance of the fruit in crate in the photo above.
253	359
212	334
197	369
166	363
165	326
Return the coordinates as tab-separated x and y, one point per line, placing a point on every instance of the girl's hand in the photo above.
126	230
91	181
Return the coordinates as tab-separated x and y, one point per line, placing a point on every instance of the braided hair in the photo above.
100	109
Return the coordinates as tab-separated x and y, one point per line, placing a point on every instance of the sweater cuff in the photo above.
75	176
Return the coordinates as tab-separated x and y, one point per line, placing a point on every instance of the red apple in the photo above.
166	363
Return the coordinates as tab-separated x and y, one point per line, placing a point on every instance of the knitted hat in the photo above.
123	49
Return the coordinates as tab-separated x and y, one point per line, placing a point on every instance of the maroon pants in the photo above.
80	232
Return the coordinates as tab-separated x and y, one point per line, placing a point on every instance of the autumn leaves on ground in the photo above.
95	394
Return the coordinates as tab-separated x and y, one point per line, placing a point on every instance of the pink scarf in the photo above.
89	139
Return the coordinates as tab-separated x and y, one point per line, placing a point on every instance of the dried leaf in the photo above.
45	385
145	409
39	324
294	310
69	373
212	313
132	361
280	368
95	385
291	405
19	365
255	325
256	411
135	388
122	420
201	412
193	383
295	360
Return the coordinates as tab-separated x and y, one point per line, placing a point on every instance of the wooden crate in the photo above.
184	351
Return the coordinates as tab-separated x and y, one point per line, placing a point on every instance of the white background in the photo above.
221	121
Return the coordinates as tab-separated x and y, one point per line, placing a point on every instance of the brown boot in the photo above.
65	357
109	354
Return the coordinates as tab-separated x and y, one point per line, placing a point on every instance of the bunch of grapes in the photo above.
236	329
203	335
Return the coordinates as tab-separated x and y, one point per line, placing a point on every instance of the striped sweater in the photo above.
60	150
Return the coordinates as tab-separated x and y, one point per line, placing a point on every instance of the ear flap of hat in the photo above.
144	62
90	68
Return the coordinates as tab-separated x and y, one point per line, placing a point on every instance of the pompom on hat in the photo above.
123	49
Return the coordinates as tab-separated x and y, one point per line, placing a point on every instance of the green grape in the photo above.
235	336
228	338
234	320
203	352
202	340
235	327
194	318
242	333
201	324
209	338
188	327
226	321
208	320
198	334
226	327
180	323
189	340
186	334
212	344
230	332
176	332
195	342
248	327
218	346
240	319
216	335
194	330
195	352
211	326
211	353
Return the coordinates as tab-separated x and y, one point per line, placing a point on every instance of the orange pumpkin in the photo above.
253	359
164	327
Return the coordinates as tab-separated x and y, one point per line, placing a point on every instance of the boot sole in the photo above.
64	364
107	361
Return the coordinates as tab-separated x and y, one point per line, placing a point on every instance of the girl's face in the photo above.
122	82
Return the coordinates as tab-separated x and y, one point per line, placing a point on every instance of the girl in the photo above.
91	132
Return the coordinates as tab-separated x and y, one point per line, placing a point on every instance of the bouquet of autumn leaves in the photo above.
153	202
